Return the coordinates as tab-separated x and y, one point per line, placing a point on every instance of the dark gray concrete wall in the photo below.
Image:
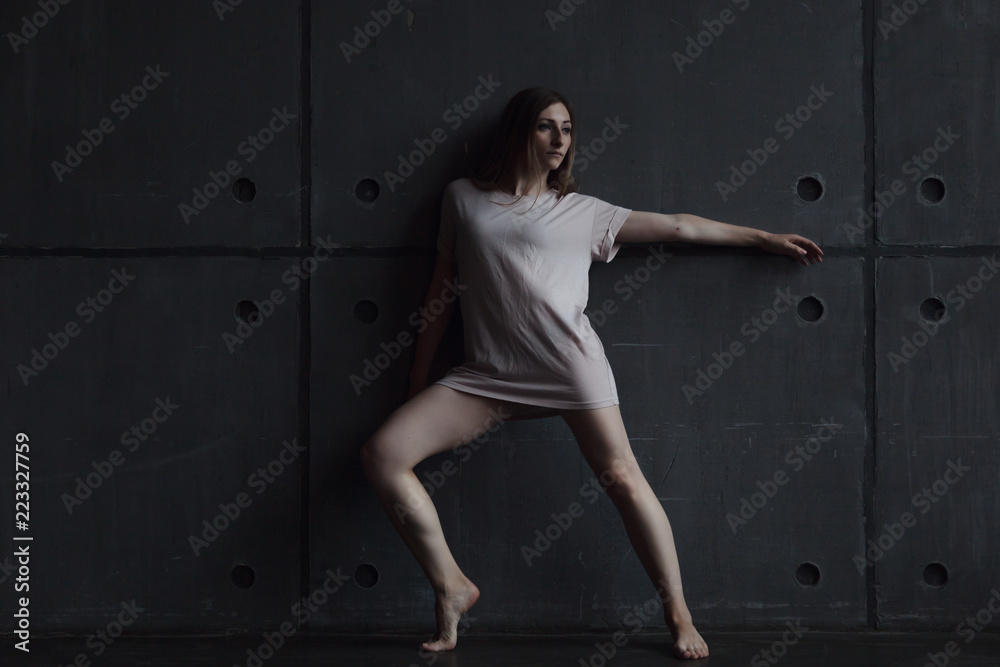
271	157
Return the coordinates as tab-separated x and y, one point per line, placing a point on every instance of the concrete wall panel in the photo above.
935	547
154	101
936	136
141	423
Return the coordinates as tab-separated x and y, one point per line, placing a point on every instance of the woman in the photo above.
522	274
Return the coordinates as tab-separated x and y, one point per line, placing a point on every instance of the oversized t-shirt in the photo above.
523	276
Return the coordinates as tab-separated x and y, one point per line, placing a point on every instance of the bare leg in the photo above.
604	444
435	420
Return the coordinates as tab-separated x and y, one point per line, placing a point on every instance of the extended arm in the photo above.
648	227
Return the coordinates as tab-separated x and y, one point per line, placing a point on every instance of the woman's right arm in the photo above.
432	327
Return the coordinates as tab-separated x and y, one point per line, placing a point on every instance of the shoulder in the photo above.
463	199
575	199
461	187
579	199
462	191
458	194
575	196
569	196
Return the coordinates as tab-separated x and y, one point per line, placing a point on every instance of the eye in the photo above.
543	126
566	130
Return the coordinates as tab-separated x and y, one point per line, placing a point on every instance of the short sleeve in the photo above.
608	220
446	232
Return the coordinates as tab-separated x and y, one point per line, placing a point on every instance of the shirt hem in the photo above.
504	396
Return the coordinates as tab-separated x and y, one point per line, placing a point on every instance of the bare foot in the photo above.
688	644
449	609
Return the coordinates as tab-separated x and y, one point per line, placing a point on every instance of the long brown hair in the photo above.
512	151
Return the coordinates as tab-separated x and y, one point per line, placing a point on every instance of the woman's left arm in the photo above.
648	227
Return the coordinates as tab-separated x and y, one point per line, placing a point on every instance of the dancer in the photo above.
522	274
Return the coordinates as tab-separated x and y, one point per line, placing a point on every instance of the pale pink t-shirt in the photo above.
527	338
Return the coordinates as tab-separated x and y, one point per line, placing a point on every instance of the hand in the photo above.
793	245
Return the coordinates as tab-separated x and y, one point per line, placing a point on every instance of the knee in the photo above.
379	455
622	479
372	456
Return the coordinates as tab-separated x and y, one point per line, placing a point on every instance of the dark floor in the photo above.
814	648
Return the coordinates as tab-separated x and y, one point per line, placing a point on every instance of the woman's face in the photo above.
552	135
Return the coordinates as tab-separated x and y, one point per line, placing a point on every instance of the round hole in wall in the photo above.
809	189
932	191
247	311
807	574
936	575
810	309
366	576
365	311
367	190
244	190
932	309
243	576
